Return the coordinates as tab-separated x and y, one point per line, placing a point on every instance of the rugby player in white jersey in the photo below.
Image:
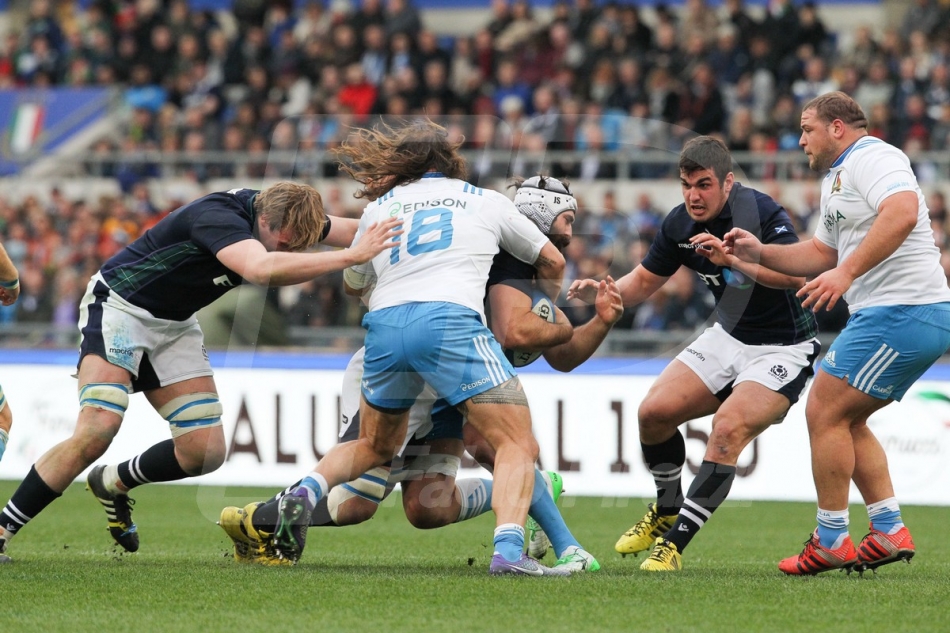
426	325
875	248
426	469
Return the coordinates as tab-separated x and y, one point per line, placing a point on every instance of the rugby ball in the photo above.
542	306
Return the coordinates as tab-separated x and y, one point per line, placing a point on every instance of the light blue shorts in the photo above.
883	350
442	344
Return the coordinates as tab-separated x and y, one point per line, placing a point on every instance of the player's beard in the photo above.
560	240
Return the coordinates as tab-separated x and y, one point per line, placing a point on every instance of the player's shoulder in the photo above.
239	201
676	221
766	204
870	151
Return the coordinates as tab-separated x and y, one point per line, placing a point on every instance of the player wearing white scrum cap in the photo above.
433	447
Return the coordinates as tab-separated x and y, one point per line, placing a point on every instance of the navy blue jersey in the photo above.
752	313
508	270
172	269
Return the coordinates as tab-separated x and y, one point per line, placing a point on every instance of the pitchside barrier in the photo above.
282	413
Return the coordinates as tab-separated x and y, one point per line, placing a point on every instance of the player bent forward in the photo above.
427	466
426	325
139	333
746	370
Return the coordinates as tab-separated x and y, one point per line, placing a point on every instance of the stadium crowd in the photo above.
593	77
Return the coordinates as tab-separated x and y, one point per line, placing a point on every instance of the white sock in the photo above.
110	477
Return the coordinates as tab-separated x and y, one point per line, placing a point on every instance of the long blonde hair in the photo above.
385	156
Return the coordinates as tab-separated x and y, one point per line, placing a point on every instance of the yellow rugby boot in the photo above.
665	557
642	536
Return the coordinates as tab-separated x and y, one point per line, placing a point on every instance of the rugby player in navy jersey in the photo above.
139	333
746	370
427	467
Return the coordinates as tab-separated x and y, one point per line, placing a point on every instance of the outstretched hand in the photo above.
742	244
609	303
583	290
377	239
712	248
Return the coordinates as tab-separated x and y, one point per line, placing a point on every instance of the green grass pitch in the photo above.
387	576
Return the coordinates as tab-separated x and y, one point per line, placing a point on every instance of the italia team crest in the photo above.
836	185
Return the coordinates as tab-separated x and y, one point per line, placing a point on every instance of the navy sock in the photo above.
708	490
665	461
31	498
156	464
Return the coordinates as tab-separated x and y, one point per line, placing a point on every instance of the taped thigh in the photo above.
192	412
108	396
431	464
372	485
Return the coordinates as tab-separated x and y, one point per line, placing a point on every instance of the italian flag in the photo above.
27	125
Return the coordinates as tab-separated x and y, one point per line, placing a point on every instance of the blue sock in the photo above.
885	515
474	497
832	527
509	541
545	512
316	486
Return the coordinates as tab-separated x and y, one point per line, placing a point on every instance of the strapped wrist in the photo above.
10	285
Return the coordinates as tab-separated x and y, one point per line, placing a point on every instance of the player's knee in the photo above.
654	419
214	456
727	439
353	511
430	502
199	454
423	518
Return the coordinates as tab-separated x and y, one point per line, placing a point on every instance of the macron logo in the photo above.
222	281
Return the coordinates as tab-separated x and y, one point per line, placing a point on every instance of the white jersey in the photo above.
860	180
452	231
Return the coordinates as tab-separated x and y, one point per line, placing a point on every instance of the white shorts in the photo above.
722	362
157	352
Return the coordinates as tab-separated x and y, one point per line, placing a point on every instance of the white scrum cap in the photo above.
542	199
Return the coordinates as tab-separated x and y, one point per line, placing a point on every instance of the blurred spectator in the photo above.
736	14
401	17
876	88
500	17
314	23
816	81
923	15
374	57
701	109
357	93
700	21
913	124
812	31
519	30
369	14
863	49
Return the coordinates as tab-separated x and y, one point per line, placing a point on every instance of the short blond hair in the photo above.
290	205
837	105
